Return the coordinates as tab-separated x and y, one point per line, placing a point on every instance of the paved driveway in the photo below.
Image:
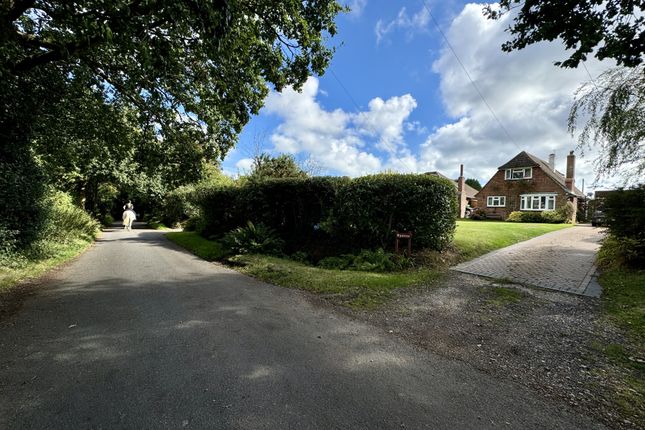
138	334
562	260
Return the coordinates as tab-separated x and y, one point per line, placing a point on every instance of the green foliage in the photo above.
367	261
295	207
326	215
369	209
282	166
625	219
557	216
613	107
177	206
253	239
620	252
611	29
474	183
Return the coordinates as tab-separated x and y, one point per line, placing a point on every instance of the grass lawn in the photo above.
365	289
623	301
475	238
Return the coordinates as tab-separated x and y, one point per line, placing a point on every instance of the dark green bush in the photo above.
478	214
253	239
178	206
625	219
369	209
329	215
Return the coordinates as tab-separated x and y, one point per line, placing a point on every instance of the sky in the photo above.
420	86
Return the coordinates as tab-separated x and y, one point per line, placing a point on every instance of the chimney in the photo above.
552	161
571	167
461	188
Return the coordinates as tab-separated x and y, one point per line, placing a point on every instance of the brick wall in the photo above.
498	186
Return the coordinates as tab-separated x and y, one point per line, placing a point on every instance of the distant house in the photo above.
528	183
466	193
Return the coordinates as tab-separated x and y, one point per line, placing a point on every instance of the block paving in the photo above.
562	260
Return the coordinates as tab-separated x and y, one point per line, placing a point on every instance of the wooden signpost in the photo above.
403	235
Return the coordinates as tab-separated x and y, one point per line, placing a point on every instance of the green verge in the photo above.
209	250
157	225
475	238
60	252
623	302
367	290
355	289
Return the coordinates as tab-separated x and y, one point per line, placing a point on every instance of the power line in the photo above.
425	5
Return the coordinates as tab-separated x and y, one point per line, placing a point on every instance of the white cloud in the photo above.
410	24
529	95
385	119
356	7
244	165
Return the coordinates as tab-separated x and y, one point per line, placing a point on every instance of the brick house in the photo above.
528	183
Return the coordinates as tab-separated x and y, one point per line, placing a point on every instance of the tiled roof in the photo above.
470	191
524	159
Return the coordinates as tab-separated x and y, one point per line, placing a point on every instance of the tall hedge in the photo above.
313	213
625	217
370	208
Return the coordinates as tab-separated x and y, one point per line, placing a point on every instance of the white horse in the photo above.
128	218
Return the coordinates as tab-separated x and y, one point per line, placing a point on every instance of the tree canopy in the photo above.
282	166
140	93
474	183
612	29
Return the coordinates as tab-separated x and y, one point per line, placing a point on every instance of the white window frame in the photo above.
518	173
496	201
538	202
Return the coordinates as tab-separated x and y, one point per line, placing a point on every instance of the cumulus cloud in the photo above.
416	23
339	141
528	94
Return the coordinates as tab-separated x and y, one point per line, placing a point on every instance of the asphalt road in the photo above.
139	334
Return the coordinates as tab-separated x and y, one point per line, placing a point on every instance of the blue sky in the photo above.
396	98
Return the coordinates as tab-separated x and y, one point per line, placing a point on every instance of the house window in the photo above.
537	202
496	201
520	173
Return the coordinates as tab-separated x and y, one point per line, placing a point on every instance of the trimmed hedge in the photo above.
370	208
331	215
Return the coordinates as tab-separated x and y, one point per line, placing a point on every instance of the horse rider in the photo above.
128	206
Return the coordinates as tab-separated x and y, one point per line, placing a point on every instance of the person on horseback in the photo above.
129	215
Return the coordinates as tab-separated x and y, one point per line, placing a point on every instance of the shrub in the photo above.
552	217
65	221
369	209
621	252
253	239
177	206
625	218
327	215
564	212
367	261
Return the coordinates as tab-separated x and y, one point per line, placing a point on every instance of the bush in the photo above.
621	252
550	217
367	261
369	209
253	239
328	215
625	219
177	206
